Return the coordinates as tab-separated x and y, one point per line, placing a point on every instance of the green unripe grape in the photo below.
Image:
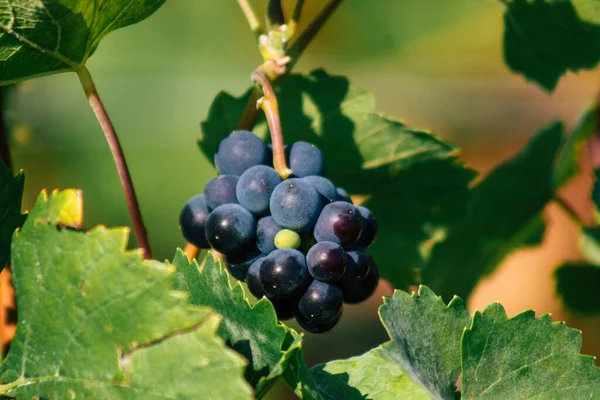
287	239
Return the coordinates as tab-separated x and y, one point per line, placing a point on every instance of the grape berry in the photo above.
299	242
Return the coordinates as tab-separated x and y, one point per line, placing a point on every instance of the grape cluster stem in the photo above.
268	103
265	75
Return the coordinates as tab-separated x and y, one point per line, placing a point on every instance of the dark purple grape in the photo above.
342	195
284	273
221	190
317	328
239	151
327	261
369	227
324	186
266	230
253	278
238	264
321	303
339	222
359	265
295	205
306	159
254	188
357	292
192	221
230	229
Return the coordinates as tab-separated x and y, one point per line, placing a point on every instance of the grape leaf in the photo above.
427	334
43	37
502	215
11	192
524	357
369	376
421	361
577	284
297	375
251	330
96	321
413	179
543	39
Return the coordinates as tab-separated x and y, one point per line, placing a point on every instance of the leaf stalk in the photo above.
117	152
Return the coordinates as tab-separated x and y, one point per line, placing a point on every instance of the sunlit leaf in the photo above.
96	321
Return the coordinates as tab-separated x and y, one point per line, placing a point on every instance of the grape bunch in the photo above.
300	242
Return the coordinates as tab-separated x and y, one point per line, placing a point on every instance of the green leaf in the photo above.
413	178
369	376
426	334
251	330
297	375
503	214
422	361
11	192
525	357
577	284
543	39
96	321
43	37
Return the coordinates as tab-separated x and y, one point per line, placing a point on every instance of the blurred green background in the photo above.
436	64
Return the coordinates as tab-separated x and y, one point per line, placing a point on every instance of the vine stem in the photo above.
268	103
295	19
301	43
251	17
113	142
275	16
250	115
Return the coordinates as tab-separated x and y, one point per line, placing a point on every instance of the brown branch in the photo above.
250	115
275	15
113	142
301	43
